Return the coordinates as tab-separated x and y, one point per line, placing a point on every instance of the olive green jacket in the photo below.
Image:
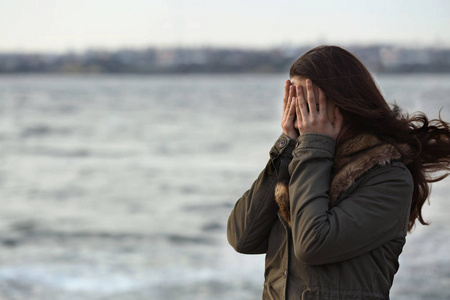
347	250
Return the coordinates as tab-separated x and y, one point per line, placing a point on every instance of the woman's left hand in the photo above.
315	119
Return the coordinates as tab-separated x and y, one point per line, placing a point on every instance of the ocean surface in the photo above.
119	187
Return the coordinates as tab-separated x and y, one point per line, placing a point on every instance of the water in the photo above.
120	187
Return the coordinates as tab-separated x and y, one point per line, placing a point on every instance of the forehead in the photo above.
298	80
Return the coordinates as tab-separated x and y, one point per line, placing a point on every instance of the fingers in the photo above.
287	119
301	103
311	98
286	93
291	95
291	112
315	119
322	105
291	91
288	101
288	108
298	112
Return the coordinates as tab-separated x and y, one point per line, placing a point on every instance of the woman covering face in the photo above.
346	181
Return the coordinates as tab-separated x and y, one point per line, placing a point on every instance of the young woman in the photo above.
345	182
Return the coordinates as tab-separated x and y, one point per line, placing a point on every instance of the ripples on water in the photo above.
120	187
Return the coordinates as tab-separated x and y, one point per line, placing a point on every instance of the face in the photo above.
299	80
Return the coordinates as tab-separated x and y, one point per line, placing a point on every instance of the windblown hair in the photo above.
347	82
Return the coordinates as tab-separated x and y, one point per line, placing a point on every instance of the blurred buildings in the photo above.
379	58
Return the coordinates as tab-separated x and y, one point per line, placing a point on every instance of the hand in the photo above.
287	120
316	120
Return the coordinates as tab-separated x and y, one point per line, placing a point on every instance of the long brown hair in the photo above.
347	82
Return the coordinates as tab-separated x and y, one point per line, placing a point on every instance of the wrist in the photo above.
293	135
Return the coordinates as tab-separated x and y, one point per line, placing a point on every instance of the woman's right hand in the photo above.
289	106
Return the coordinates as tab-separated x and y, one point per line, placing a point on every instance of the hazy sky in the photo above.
61	25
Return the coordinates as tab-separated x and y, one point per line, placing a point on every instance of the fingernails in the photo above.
308	82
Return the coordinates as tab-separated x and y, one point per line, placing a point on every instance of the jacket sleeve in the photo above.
255	212
370	216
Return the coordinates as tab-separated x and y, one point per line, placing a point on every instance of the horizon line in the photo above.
406	45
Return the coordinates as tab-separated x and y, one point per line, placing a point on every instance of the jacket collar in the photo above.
353	158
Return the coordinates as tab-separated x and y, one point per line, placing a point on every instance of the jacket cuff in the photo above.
284	145
316	141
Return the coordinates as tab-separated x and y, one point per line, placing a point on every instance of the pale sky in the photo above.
62	25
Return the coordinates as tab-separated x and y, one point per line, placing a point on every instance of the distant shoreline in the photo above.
286	73
381	59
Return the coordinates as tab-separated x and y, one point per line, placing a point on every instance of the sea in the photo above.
119	187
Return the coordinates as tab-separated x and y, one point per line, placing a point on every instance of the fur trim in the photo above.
352	160
282	199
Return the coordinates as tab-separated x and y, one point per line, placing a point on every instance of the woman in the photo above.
346	181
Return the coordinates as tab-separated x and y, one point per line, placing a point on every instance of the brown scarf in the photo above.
352	159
